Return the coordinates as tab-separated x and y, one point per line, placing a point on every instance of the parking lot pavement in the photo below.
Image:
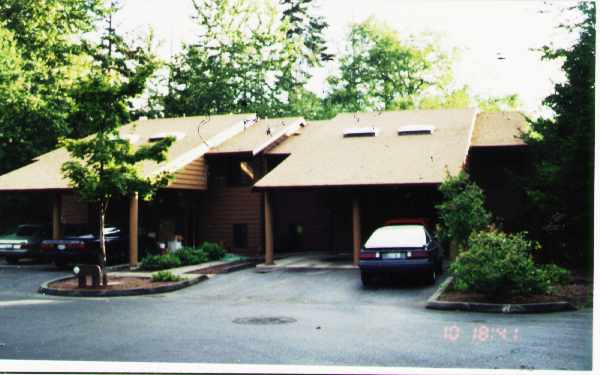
311	318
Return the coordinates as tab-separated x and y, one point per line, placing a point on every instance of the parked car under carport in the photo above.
24	243
403	248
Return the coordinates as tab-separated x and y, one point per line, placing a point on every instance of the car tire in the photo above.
12	260
366	278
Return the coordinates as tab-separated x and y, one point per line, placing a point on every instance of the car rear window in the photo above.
397	236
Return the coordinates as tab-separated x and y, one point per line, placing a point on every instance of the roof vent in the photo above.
158	136
361	132
416	129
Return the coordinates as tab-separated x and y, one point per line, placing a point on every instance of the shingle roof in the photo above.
494	129
255	138
322	156
199	134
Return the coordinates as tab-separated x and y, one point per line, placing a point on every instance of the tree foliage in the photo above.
237	62
561	188
462	210
40	58
382	71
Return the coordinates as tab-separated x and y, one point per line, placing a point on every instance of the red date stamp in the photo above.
481	333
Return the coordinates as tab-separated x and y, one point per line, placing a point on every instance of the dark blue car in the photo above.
400	249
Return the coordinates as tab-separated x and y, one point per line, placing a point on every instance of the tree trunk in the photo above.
102	254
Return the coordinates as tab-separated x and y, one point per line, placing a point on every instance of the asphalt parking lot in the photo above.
301	318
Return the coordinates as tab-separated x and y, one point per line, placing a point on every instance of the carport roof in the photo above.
322	157
196	135
495	129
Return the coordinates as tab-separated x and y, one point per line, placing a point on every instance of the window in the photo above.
416	129
361	132
240	236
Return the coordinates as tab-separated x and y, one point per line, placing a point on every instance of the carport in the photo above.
341	179
182	197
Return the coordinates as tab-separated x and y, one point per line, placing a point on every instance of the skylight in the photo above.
132	138
416	129
158	136
361	132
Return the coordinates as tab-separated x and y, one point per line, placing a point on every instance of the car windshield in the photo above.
27	230
397	236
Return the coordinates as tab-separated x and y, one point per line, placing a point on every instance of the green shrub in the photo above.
189	256
160	262
165	276
213	251
462	210
499	263
554	274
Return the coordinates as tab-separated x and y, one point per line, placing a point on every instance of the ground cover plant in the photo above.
165	276
186	256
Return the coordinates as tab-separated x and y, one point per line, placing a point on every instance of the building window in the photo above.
240	236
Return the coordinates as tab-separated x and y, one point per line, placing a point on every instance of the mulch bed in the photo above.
579	294
114	283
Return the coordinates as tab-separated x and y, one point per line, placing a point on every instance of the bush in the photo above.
189	256
499	263
160	262
213	251
554	274
165	276
462	210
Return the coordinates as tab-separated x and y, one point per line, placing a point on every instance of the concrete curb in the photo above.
45	289
267	269
510	308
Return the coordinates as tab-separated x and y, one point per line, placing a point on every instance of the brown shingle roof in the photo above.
499	129
199	134
255	139
321	156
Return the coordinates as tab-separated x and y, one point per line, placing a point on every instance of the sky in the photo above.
482	30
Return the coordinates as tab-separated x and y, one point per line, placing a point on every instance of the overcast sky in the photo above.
482	30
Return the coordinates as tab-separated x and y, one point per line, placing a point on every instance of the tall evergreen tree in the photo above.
561	189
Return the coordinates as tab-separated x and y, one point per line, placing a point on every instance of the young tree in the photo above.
461	212
561	188
104	165
381	71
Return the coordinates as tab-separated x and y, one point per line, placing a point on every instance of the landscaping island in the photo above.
175	270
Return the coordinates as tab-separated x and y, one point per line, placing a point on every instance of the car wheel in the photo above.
11	260
366	278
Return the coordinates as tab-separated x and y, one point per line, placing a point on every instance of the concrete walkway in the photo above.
184	271
310	261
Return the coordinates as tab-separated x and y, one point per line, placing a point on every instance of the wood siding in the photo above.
225	206
193	176
73	210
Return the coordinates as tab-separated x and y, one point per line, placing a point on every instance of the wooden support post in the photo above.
56	217
268	231
133	231
355	230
